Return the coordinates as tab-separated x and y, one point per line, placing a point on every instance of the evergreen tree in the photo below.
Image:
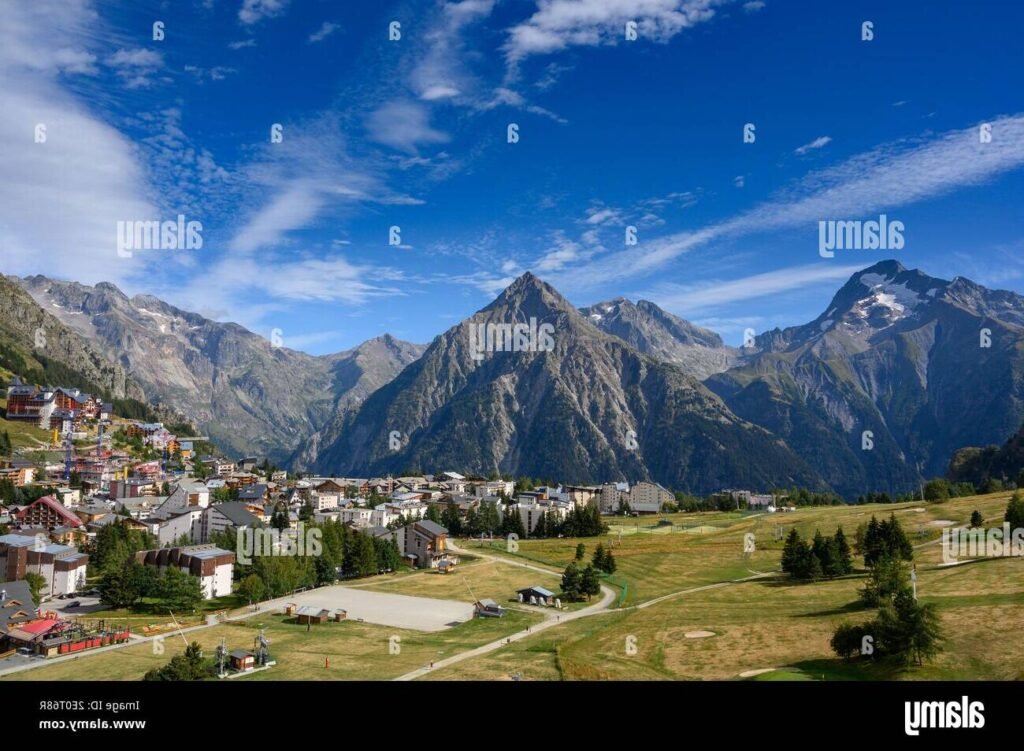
609	562
841	555
581	550
590	584
820	550
473	525
977	519
790	552
886	578
433	514
571	582
598	560
1015	511
451	521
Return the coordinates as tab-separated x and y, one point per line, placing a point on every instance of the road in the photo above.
551	618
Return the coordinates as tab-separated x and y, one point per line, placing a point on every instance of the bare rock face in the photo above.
649	329
37	333
555	398
250	396
898	354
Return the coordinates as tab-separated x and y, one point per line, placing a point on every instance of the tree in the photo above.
123	587
35	582
179	590
388	557
280	520
790	551
609	563
820	550
252	588
190	666
886	578
581	550
590	585
623	507
1015	511
433	514
848	640
306	512
977	519
598	559
451	521
571	582
841	555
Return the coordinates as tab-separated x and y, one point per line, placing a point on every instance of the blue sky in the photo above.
413	133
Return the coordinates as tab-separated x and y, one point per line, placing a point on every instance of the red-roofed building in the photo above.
47	512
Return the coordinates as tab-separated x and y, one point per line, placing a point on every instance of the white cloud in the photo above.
60	200
882	179
441	72
241	44
254	11
690	298
403	125
325	30
817	143
559	24
754	6
602	215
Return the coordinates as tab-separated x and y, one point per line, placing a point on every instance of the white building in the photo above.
211	565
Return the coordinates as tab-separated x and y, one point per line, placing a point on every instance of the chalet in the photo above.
47	512
327	494
222	517
16	609
426	541
211	565
255	493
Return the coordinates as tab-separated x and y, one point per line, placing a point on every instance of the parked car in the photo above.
75	604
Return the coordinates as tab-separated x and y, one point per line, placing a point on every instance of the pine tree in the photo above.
581	550
433	514
609	562
977	519
571	582
820	550
873	544
842	555
590	584
598	560
1015	511
790	552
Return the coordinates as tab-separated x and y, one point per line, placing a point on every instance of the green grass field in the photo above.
675	584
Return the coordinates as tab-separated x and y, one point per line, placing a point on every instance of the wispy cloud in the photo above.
325	30
403	125
706	295
559	24
817	143
883	179
254	11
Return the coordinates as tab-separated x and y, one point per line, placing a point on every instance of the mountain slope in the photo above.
250	396
899	354
564	412
655	332
34	341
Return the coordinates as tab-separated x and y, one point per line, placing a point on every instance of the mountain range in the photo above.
878	392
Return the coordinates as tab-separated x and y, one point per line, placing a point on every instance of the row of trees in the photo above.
824	557
579	522
128	586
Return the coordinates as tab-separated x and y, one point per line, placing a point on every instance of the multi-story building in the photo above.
62	567
48	513
210	564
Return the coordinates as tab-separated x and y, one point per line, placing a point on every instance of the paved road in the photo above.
551	619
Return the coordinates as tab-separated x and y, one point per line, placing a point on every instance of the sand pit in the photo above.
752	673
941	523
698	634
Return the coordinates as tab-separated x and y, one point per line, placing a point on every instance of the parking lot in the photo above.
400	611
